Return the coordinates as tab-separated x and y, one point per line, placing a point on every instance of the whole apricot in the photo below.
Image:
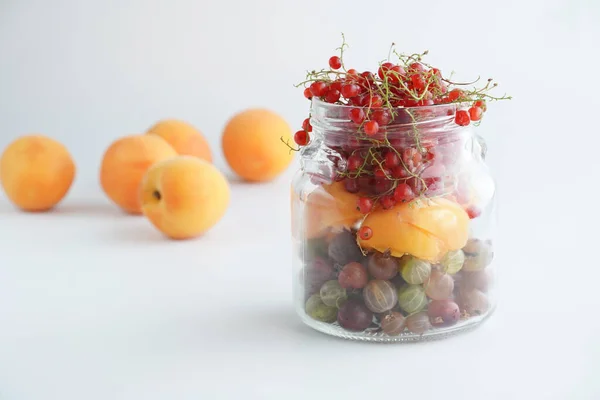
124	164
36	172
183	137
252	144
184	197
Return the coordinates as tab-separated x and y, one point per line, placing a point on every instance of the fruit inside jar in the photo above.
385	218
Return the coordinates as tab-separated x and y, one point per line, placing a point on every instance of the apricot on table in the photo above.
185	138
184	197
36	172
424	228
124	165
252	146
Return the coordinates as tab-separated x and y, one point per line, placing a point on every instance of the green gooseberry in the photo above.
320	311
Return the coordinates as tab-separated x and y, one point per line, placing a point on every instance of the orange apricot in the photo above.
424	228
183	137
124	165
330	207
36	172
252	146
184	197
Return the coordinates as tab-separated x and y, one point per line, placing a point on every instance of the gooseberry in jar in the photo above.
418	323
354	315
380	296
453	262
443	313
318	310
332	294
343	248
414	270
439	286
473	301
382	266
393	323
353	276
412	298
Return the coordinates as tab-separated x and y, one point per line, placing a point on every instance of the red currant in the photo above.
403	193
367	76
352	71
382	185
307	93
318	88
350	90
332	96
382	173
396	73
416	67
371	128
400	172
391	159
462	118
375	101
382	117
475	113
301	138
365	233
357	115
351	185
364	205
385	67
426	102
418	82
455	94
336	85
306	125
473	212
481	104
335	62
355	161
388	202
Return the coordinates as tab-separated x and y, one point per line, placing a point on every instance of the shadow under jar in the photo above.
393	232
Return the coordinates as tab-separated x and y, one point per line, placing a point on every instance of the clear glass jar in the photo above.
393	233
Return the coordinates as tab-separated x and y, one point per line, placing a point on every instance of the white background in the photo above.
96	305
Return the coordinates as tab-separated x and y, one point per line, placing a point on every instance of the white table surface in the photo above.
98	305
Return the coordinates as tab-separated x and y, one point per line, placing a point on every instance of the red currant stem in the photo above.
287	143
462	83
341	49
415	130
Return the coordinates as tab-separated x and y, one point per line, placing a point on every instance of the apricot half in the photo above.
329	207
424	228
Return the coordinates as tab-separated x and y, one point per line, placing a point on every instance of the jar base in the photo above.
333	329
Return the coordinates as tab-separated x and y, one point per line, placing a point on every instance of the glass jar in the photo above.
393	233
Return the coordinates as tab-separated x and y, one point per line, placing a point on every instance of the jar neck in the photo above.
333	126
420	137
